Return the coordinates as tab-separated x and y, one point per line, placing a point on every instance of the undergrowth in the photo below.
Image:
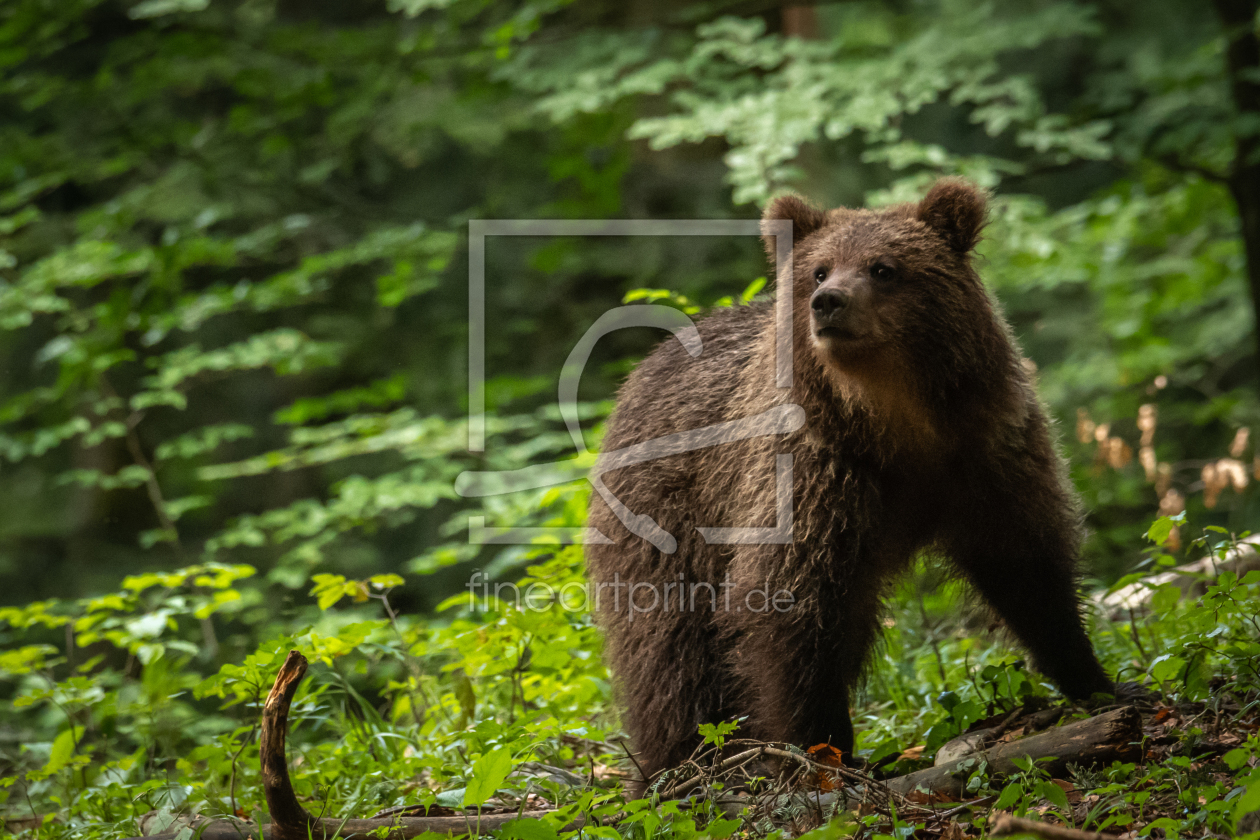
121	710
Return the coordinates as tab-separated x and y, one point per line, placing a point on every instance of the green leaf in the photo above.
1009	796
721	829
1248	802
26	660
1053	794
1169	826
62	749
751	290
1162	528
386	581
1165	598
329	589
1167	667
528	829
1024	763
488	774
1236	758
465	696
715	733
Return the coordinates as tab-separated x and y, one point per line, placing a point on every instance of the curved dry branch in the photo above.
289	820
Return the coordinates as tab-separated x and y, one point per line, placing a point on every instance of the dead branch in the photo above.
979	739
289	820
1006	824
848	789
1100	739
1191	578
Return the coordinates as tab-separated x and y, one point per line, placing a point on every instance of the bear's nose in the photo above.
829	302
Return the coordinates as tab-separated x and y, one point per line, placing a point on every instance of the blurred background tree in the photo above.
234	247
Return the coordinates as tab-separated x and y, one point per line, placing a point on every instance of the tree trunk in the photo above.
1242	64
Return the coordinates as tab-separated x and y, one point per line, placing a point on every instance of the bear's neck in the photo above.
886	401
875	410
897	413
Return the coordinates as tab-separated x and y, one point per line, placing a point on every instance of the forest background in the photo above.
234	379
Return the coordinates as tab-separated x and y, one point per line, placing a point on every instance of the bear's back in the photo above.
671	391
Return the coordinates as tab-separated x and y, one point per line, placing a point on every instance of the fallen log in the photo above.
978	739
1192	579
1111	736
289	820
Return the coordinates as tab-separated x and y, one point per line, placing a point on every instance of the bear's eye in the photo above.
820	274
881	272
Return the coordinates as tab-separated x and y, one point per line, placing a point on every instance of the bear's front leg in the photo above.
1031	587
1017	542
798	648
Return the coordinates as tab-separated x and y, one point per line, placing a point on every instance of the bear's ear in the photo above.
957	210
805	220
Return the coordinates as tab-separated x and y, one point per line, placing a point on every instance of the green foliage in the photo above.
488	773
233	300
1114	240
715	733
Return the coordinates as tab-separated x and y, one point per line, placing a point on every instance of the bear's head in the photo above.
890	293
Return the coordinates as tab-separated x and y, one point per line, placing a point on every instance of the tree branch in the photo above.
1006	824
289	820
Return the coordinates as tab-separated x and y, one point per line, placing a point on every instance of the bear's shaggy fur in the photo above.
921	431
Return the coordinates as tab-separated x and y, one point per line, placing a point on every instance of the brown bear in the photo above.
910	425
